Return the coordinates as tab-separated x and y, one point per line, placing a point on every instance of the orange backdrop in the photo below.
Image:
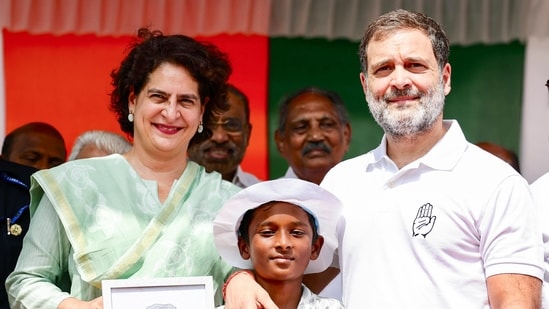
64	80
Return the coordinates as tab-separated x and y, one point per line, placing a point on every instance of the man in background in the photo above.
313	133
98	143
14	217
225	149
35	144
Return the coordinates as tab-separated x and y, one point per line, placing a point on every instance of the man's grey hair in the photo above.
107	141
332	96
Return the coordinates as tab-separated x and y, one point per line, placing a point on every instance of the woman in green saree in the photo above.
146	213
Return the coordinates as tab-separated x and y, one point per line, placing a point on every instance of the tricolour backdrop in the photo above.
56	57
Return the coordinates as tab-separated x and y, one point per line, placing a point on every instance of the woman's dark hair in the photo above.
243	229
208	65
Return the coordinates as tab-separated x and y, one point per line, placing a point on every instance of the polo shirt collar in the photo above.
443	156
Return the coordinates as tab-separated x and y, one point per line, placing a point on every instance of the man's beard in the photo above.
408	121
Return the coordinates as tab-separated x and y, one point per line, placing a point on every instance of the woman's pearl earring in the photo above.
130	117
200	127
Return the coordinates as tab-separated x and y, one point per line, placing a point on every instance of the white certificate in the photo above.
159	293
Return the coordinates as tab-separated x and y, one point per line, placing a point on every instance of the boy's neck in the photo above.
285	293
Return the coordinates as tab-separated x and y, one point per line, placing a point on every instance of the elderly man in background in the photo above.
313	133
97	143
225	150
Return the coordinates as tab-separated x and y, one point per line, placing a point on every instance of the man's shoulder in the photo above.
486	164
14	184
18	171
312	300
541	183
540	189
354	162
245	179
345	170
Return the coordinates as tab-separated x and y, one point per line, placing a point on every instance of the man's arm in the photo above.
514	291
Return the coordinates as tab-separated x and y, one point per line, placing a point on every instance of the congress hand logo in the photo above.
424	222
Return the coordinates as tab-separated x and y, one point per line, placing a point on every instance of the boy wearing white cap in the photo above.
277	229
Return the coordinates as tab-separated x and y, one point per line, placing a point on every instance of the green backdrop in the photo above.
486	89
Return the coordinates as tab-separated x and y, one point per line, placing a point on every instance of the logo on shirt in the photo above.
424	222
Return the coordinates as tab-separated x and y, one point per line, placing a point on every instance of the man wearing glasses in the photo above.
225	150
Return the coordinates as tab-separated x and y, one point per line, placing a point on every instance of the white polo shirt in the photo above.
428	235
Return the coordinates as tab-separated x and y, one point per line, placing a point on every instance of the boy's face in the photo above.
281	242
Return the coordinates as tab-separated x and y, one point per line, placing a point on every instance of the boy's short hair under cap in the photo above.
323	205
